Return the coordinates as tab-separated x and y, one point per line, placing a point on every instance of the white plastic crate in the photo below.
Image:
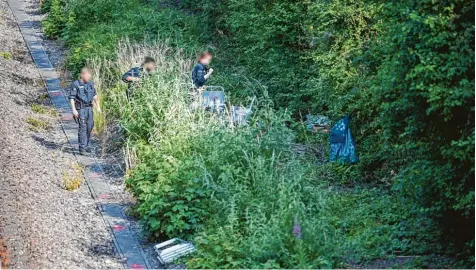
172	249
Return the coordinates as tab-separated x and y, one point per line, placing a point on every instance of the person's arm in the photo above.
129	76
96	103
209	73
72	97
96	99
73	107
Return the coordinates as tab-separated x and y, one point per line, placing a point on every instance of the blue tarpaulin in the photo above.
342	143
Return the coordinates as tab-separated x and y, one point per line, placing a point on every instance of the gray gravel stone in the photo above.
42	224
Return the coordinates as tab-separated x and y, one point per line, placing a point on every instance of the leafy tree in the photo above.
426	87
403	70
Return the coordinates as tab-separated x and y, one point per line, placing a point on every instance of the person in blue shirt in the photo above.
83	97
135	74
201	72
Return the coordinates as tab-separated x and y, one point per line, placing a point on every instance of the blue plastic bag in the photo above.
342	143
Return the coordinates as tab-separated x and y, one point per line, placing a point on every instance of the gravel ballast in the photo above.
42	224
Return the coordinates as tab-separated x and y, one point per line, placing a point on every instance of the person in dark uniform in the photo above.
83	97
201	72
135	74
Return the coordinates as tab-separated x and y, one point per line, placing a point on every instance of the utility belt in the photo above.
81	104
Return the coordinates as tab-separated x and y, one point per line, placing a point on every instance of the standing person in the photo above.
201	72
83	97
135	74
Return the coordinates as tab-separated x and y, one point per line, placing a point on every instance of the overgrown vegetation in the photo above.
38	125
73	177
43	98
6	55
41	109
239	191
403	70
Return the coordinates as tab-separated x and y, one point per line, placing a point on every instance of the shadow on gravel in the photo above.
111	171
108	171
103	250
65	147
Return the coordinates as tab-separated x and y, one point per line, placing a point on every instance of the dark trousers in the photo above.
129	92
131	89
86	124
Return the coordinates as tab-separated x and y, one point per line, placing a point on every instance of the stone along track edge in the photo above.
109	203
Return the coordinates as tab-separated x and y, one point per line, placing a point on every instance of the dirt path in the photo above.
42	224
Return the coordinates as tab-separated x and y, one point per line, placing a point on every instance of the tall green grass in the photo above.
197	175
342	57
239	192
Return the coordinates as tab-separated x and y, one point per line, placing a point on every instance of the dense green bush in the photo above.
92	29
237	192
54	24
426	88
200	178
45	6
404	71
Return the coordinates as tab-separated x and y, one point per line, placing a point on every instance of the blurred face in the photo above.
85	75
206	60
149	66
